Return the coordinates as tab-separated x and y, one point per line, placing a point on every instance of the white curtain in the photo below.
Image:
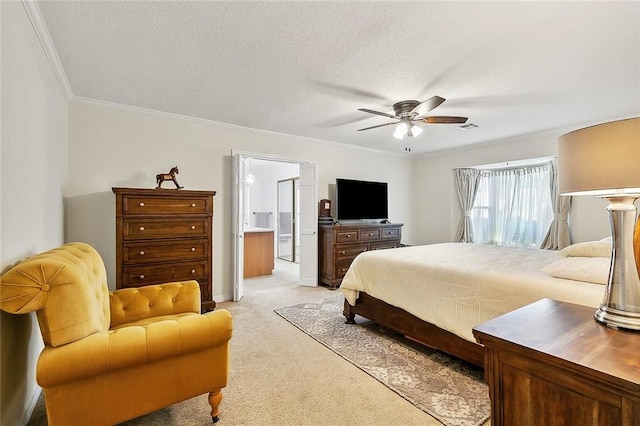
513	206
467	184
557	237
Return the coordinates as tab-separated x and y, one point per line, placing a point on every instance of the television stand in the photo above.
339	245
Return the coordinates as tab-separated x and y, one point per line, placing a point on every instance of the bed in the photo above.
437	293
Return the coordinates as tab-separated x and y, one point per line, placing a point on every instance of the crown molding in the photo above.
40	28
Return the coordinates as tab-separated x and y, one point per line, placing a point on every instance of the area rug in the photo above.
450	390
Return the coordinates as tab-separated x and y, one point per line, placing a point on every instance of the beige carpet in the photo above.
280	376
451	390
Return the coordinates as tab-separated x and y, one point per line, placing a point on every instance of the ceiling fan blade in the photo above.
370	111
379	125
428	105
443	119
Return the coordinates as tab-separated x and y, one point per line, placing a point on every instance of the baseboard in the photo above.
31	406
223	298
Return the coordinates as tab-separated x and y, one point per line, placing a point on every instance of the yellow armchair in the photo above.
113	356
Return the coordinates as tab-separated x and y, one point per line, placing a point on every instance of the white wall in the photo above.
112	146
437	205
33	170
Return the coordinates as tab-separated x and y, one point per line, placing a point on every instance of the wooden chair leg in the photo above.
214	400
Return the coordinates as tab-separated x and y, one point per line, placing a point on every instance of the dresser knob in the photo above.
193	227
343	252
142	277
141	253
142	228
193	204
193	271
193	249
141	204
348	235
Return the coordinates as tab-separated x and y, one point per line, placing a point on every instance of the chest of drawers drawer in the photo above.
154	251
136	276
381	245
347	236
391	233
142	229
369	234
150	205
347	252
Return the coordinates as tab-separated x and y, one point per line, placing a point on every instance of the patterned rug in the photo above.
448	389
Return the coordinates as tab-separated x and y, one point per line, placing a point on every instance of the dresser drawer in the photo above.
369	234
136	276
341	269
391	233
151	251
381	245
346	252
346	236
142	229
143	205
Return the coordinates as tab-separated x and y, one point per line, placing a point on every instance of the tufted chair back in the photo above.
46	282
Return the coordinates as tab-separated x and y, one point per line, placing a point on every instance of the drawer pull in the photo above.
141	277
141	253
142	228
363	250
193	271
193	204
193	249
344	269
193	227
141	204
371	234
343	252
348	235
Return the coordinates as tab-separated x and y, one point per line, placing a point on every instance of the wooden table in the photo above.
552	363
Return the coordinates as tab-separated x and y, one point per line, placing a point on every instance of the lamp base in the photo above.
620	307
615	318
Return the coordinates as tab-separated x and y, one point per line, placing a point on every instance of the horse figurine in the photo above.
168	176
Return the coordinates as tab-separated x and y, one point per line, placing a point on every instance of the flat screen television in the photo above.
358	200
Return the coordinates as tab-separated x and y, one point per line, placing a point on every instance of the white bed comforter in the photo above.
457	286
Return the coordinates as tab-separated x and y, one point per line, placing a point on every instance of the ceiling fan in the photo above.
408	113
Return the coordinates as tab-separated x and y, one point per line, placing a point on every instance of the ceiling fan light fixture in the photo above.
401	131
414	131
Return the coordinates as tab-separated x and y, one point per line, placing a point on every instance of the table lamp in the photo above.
604	160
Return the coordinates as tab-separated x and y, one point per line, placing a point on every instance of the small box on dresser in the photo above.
339	244
165	235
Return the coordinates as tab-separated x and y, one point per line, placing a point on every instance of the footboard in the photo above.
421	331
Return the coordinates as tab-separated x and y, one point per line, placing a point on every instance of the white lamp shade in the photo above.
600	160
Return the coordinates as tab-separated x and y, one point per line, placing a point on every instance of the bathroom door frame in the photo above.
308	270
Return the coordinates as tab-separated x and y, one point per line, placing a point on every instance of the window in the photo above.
513	206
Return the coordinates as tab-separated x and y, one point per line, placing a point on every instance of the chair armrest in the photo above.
129	347
133	304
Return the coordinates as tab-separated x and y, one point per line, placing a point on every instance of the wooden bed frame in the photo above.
414	328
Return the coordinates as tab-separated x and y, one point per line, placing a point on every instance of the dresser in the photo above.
164	235
552	363
338	245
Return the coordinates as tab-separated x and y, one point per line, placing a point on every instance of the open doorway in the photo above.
257	211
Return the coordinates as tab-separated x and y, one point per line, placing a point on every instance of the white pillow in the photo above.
588	249
587	269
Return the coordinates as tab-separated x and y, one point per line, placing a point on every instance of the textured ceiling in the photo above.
304	68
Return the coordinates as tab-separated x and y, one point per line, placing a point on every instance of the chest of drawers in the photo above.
338	245
164	236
